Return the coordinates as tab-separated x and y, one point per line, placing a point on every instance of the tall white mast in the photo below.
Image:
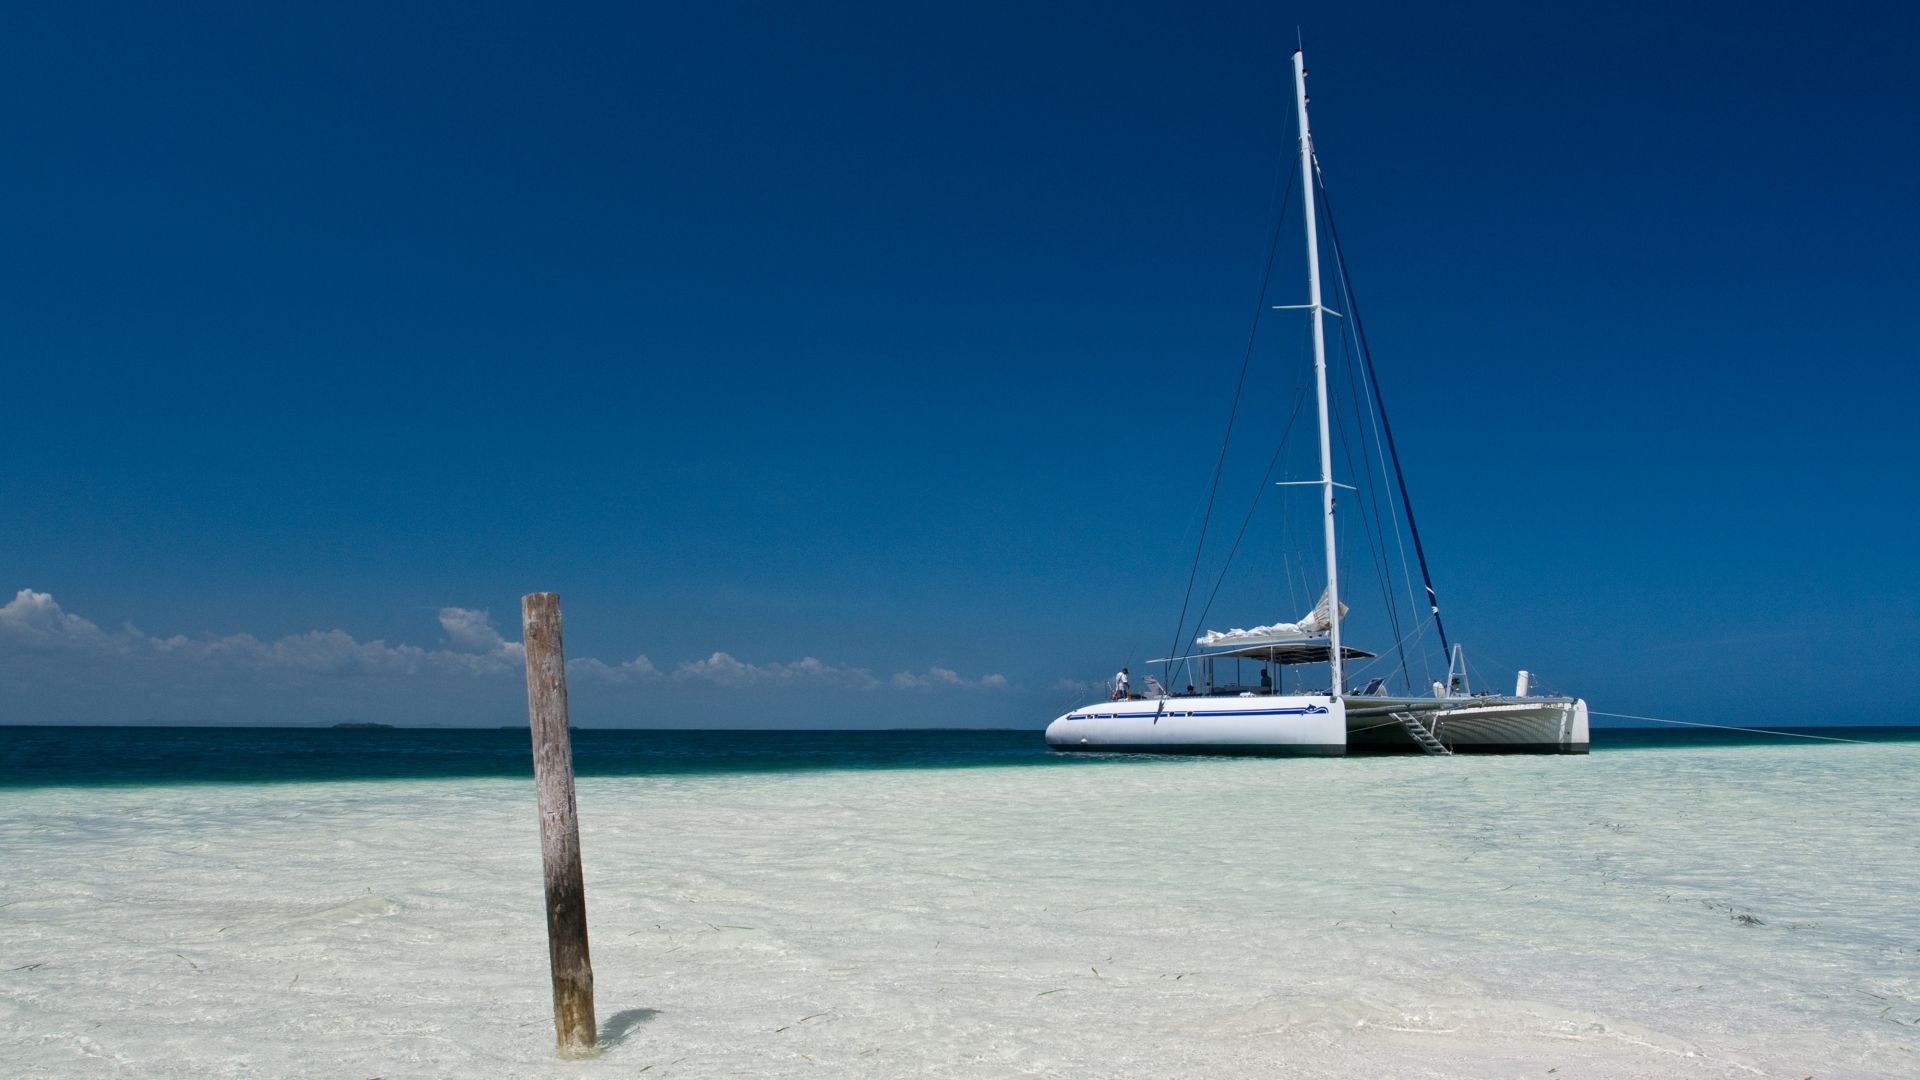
1319	366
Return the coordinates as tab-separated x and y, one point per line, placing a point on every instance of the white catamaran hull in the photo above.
1263	724
1322	726
1481	725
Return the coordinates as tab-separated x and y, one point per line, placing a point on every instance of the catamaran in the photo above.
1220	714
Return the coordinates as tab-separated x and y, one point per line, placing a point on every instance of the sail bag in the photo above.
1313	624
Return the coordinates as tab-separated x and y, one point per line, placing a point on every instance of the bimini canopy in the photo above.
1289	652
1313	624
1286	652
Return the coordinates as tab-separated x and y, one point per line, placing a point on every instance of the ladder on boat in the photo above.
1423	736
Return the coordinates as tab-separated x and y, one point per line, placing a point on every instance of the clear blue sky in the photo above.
902	338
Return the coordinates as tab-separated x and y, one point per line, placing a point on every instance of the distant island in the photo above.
362	725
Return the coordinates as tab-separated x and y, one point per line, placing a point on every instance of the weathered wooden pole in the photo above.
573	1021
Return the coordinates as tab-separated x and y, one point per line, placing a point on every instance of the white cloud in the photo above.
36	621
638	669
722	669
943	678
472	630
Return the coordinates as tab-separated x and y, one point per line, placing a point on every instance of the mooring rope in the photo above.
1729	727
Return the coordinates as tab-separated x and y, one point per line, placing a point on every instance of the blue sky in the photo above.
902	339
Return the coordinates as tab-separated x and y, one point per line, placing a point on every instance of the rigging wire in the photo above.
1413	638
1373	383
1498	664
1473	674
1293	569
1379	553
1370	417
1299	400
1233	413
1371	503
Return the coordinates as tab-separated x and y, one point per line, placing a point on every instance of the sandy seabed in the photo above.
1732	912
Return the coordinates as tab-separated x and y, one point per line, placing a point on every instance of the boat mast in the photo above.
1319	368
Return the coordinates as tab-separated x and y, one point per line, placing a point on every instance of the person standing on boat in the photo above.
1121	686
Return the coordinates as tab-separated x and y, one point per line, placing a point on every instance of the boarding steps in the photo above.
1428	742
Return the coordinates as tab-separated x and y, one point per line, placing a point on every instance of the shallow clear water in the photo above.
1700	910
33	756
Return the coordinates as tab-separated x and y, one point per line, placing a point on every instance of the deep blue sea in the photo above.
35	756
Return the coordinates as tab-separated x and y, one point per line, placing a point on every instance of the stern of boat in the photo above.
1479	725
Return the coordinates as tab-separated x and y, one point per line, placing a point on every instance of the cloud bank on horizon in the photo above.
41	642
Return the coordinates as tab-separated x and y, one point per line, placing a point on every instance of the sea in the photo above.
368	902
41	755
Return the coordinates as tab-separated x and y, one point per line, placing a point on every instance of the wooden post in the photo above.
573	1020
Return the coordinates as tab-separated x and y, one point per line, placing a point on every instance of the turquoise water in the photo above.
1683	905
34	756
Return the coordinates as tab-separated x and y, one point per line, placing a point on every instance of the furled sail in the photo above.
1313	624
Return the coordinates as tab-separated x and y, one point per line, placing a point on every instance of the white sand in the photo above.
1358	918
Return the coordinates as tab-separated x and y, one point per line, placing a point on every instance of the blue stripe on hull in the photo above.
1172	713
1210	749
